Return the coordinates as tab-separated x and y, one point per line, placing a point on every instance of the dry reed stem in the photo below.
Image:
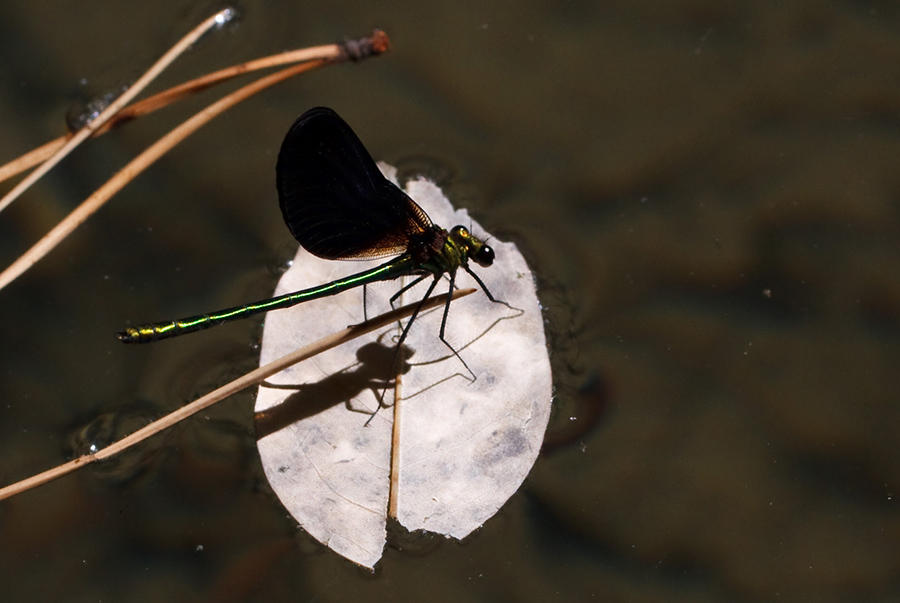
251	378
138	165
151	74
352	49
167	97
32	158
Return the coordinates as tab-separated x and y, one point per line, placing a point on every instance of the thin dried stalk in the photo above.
394	486
353	50
138	165
252	378
32	158
82	135
167	97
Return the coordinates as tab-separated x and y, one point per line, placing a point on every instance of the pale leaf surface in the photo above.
465	446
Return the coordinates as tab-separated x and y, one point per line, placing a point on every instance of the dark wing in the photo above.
333	197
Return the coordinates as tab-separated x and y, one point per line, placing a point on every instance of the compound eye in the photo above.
484	257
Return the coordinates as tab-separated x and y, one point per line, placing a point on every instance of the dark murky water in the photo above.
707	193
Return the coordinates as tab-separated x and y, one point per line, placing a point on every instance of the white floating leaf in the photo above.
464	446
